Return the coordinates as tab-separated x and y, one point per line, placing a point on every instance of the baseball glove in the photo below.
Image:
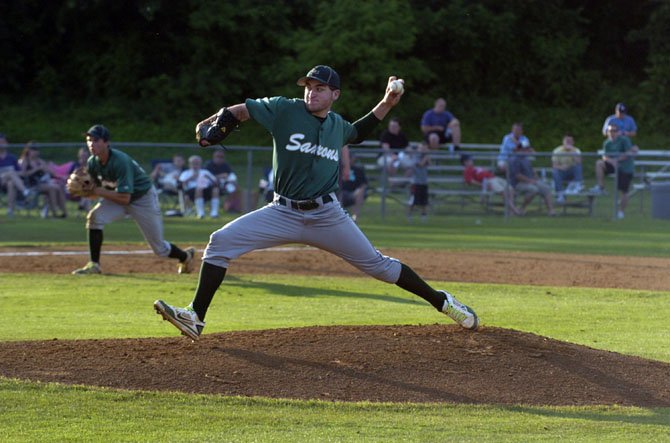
213	132
80	183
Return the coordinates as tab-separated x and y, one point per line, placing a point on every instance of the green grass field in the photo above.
47	306
638	234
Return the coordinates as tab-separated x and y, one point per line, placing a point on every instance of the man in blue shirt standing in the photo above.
622	120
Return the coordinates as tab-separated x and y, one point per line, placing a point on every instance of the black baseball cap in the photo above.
620	107
324	74
98	131
465	157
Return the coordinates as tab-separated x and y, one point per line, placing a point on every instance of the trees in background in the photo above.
182	57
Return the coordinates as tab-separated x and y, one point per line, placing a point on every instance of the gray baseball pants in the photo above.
327	227
145	211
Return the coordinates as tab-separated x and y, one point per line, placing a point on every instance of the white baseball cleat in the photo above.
186	266
90	268
184	319
458	312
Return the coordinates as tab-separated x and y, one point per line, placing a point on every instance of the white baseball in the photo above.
396	86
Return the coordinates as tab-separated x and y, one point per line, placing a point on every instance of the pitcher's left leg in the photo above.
331	229
335	232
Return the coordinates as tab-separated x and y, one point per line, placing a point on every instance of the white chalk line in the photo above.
134	252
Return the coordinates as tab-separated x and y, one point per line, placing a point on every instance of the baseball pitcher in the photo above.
307	138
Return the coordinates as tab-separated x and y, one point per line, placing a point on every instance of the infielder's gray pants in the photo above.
145	211
327	227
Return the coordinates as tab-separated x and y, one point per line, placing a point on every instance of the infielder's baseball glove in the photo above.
80	183
213	133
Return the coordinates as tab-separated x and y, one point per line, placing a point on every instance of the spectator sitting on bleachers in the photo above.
482	177
200	185
433	142
35	172
227	180
525	181
566	163
266	187
511	142
165	176
393	144
618	156
354	188
60	173
440	121
10	180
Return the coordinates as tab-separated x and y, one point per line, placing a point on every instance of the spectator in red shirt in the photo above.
487	180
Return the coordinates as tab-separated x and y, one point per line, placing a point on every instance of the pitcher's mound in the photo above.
433	363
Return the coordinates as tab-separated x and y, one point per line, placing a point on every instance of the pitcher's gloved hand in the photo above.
214	131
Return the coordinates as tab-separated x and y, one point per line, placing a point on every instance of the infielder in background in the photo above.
307	138
125	190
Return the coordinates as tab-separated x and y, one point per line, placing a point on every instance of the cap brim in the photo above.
302	81
90	134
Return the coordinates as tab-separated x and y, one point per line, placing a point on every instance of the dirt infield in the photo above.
434	363
478	267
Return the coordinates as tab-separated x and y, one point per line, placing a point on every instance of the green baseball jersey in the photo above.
306	149
613	148
121	174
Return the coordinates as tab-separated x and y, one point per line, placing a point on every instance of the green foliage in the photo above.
234	50
483	120
151	69
335	38
200	53
655	91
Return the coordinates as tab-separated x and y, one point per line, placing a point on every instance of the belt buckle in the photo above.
307	205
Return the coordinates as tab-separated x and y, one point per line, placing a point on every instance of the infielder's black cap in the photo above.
620	107
98	131
324	74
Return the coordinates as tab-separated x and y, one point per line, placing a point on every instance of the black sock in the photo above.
211	277
175	252
411	282
95	244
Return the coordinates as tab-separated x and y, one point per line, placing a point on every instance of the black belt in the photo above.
304	205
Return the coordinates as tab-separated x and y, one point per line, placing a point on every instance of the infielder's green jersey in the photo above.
614	148
306	152
121	174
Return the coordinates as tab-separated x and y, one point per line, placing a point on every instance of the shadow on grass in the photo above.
280	288
651	416
313	291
